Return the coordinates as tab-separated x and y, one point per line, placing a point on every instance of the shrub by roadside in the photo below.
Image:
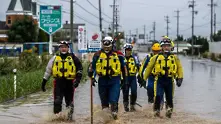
212	56
29	76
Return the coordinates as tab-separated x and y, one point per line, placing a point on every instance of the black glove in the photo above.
76	83
93	82
141	82
144	84
121	84
179	81
44	81
90	74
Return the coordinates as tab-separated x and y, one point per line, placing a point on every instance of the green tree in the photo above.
199	40
179	38
217	37
43	36
117	38
23	30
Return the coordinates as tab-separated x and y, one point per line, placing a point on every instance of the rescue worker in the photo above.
66	69
172	49
108	65
150	91
166	66
132	67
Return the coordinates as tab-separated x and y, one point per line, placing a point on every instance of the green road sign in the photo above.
50	18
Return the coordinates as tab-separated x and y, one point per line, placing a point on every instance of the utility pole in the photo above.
177	35
154	30
167	21
150	35
192	5
137	35
215	5
130	36
144	34
214	23
72	24
100	16
211	20
113	23
117	18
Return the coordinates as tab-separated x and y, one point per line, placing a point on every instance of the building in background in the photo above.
17	9
65	32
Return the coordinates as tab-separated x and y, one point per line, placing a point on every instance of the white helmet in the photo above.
107	41
128	46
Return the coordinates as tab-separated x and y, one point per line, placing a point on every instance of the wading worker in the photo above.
66	70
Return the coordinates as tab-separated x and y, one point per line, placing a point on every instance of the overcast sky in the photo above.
137	13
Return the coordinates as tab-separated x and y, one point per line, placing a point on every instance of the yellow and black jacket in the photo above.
164	65
64	66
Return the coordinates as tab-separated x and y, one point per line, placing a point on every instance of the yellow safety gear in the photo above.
172	45
156	47
169	67
165	37
108	65
132	68
143	62
64	68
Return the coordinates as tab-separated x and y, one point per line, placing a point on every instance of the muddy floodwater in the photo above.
197	101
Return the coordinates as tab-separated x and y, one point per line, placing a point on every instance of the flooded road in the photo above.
199	96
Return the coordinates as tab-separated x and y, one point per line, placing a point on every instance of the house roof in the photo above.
20	5
68	26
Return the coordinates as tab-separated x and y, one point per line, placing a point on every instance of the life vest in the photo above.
150	57
165	65
108	65
64	68
132	68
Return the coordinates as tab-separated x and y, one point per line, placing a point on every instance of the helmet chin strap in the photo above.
63	52
106	51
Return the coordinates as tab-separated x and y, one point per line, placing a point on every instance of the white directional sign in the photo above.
82	41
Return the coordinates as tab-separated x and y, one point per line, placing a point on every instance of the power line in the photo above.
87	11
202	24
81	18
90	12
98	9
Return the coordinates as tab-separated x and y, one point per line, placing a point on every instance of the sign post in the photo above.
82	41
95	44
50	21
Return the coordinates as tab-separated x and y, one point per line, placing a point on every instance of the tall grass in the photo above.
26	83
29	76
